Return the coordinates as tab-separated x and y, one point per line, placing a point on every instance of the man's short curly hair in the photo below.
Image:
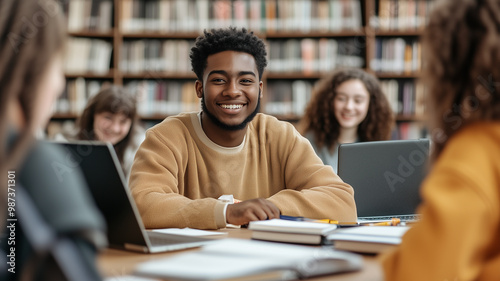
226	39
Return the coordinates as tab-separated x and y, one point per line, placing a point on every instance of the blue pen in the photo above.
292	218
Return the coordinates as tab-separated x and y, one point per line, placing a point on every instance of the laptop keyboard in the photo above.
405	218
157	241
160	239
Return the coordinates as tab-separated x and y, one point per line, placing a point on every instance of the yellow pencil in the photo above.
392	222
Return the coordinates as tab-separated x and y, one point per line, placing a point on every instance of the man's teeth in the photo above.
231	106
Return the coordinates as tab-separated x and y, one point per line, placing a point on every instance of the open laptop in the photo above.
102	171
385	176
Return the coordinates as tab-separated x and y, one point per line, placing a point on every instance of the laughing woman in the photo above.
111	116
347	106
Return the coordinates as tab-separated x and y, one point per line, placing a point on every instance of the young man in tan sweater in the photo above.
187	161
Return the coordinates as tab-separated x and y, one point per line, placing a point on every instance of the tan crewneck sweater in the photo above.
178	174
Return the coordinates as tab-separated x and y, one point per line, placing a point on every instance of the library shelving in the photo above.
395	57
144	45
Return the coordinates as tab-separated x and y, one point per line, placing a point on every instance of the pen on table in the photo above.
392	222
338	223
292	218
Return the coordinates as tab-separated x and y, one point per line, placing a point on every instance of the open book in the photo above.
303	232
368	239
238	259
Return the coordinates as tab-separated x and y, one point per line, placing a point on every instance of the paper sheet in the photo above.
190	232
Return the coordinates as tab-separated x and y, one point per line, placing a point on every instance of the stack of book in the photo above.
301	232
368	239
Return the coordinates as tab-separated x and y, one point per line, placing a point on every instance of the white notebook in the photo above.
368	239
288	226
301	232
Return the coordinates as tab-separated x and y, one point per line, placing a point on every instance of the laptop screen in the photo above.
101	170
385	175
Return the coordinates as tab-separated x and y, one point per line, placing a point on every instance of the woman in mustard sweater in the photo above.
458	237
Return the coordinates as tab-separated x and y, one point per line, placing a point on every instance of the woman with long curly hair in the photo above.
347	106
458	235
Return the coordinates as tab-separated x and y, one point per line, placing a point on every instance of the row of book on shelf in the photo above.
89	15
397	55
287	97
402	15
85	55
156	55
309	55
258	15
74	98
282	97
162	97
406	97
293	55
165	97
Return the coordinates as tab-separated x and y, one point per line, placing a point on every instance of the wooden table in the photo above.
118	263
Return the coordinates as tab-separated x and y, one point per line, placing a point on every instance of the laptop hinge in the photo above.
137	248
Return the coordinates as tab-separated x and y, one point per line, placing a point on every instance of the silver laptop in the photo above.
102	171
385	176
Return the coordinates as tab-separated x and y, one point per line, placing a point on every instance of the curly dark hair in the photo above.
114	99
462	72
319	116
226	39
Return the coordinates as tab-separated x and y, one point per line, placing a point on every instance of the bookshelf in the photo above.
144	45
395	56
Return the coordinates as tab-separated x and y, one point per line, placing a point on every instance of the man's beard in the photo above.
227	127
